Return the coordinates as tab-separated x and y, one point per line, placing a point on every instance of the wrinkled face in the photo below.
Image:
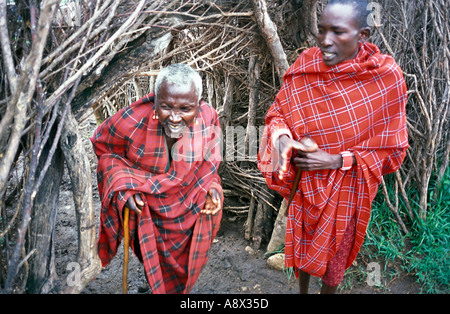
176	107
339	35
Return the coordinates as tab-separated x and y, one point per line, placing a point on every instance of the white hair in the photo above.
179	74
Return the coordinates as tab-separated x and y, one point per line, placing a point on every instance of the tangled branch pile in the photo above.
417	34
60	59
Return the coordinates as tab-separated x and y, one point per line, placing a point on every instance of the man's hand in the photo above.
213	204
135	203
318	160
285	144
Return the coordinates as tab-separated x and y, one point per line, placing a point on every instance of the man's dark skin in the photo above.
339	38
176	107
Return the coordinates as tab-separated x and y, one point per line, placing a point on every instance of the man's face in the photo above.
339	35
176	107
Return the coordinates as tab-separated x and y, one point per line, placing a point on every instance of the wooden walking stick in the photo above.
311	146
126	245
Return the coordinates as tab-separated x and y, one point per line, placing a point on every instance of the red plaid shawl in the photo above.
132	157
357	105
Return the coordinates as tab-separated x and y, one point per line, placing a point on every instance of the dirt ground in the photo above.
233	268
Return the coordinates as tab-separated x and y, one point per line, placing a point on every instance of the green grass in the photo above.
425	251
431	242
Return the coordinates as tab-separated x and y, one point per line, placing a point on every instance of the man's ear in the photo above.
364	34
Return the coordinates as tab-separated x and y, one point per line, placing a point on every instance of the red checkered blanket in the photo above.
357	105
174	238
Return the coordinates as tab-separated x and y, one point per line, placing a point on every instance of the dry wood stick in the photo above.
126	245
294	187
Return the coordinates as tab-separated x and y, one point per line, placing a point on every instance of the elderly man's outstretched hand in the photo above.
213	204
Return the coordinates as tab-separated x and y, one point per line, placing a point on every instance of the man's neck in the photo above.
170	141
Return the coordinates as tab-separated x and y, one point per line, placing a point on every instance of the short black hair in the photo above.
360	7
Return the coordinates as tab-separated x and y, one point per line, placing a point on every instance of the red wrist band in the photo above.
347	160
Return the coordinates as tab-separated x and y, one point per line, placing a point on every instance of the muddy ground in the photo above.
233	268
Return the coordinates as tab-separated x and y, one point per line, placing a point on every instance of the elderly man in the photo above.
159	157
350	99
